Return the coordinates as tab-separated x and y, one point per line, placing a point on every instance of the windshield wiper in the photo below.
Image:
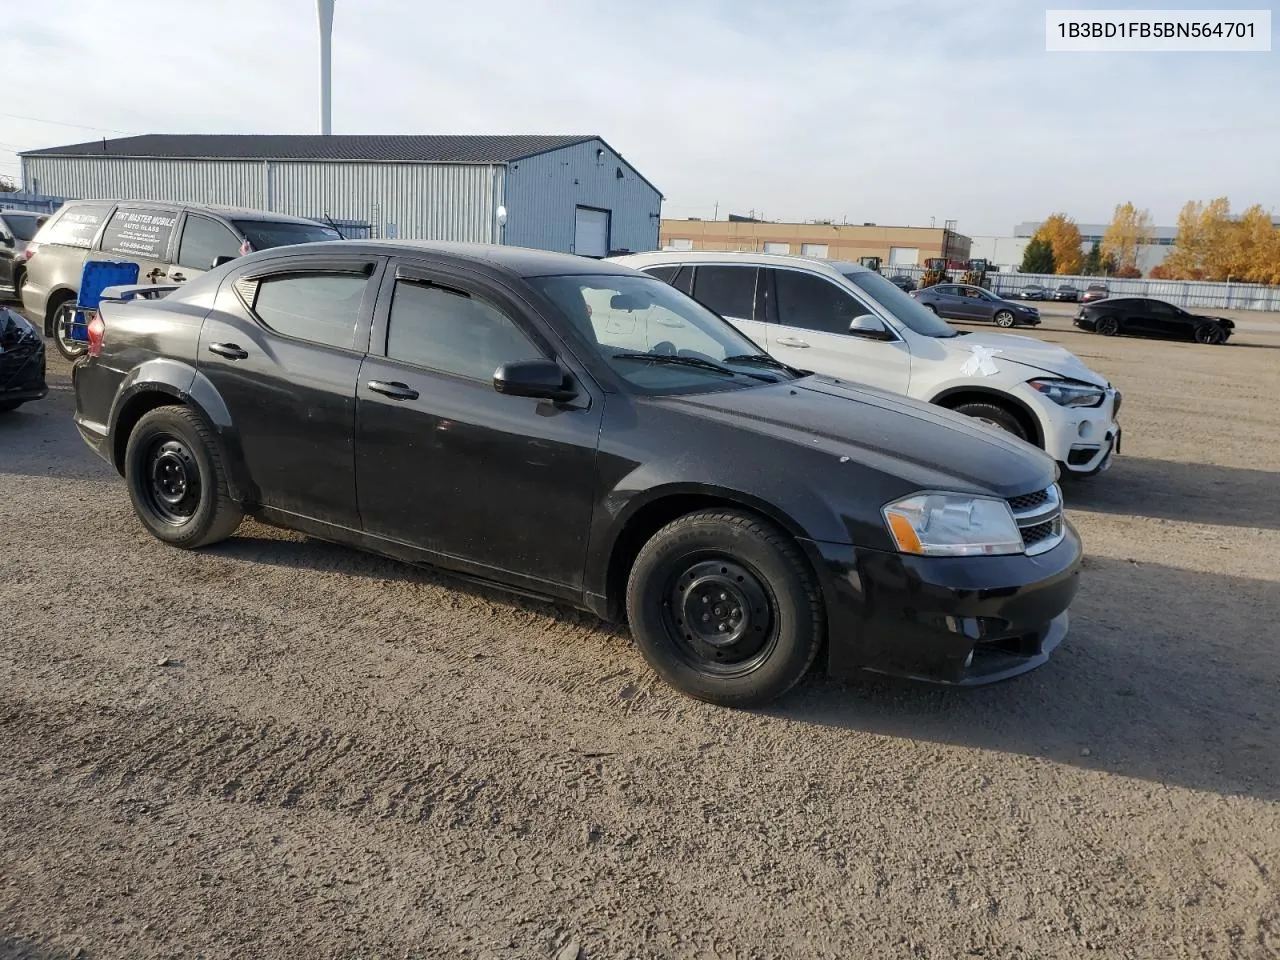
764	360
686	362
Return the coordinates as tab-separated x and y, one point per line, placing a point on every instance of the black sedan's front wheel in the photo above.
1210	333
1108	326
1004	318
724	608
176	479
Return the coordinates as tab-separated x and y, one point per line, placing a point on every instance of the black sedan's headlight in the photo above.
1069	393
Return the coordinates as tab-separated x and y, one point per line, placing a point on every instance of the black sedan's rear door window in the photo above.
319	307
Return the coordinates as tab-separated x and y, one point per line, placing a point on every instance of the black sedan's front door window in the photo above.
446	464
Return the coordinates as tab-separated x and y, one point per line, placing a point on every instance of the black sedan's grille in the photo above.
1040	532
1039	519
1028	501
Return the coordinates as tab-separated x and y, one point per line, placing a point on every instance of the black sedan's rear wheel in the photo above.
1210	333
724	608
1106	325
1004	318
176	479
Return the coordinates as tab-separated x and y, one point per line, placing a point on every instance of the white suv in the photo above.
843	320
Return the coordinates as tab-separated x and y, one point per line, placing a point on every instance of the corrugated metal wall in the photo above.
543	192
233	183
412	200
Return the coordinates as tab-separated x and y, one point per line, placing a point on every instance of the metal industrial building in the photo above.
574	194
896	246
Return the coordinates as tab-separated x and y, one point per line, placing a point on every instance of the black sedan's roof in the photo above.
520	261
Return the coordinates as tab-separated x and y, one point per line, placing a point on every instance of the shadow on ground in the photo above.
1165	675
1195	492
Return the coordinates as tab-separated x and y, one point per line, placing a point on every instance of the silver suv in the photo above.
17	227
170	242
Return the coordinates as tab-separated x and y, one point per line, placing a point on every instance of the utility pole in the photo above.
324	10
716	215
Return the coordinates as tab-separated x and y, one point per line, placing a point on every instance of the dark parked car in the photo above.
1094	292
1153	318
1034	291
577	430
1067	293
903	282
21	361
17	227
962	302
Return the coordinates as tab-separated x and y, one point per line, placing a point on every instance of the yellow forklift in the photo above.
935	272
975	274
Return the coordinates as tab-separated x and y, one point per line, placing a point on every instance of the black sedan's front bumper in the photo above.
953	620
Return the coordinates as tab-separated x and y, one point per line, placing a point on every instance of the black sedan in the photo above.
903	282
1138	316
963	302
22	361
575	430
1067	293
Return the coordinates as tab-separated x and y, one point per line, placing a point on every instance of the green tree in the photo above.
8	185
1038	257
1093	260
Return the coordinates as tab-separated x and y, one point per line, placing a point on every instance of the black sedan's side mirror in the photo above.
540	379
219	261
869	328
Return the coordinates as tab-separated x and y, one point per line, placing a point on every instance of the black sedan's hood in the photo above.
922	444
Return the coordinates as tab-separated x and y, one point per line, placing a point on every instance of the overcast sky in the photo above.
889	112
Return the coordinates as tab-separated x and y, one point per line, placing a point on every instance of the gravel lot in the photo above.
281	748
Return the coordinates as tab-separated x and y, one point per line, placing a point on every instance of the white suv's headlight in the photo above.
952	525
1069	393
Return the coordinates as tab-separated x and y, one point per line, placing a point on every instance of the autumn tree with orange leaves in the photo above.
1063	237
1214	245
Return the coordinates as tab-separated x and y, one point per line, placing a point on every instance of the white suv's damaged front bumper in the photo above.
1082	439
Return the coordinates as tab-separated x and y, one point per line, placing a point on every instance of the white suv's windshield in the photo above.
656	338
919	319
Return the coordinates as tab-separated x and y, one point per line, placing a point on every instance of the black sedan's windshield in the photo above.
656	338
919	319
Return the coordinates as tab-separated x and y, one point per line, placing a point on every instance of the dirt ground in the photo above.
279	748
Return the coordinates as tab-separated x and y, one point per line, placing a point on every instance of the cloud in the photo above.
894	113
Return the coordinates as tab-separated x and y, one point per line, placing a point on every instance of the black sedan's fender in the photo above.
161	381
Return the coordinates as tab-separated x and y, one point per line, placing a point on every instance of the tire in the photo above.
176	480
996	416
19	281
1211	334
931	308
1004	318
739	568
8	405
60	323
1107	326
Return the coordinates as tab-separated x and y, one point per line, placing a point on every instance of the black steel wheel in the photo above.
724	608
63	317
173	480
176	479
1106	325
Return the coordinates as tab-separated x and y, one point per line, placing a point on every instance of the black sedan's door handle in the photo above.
231	351
393	389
